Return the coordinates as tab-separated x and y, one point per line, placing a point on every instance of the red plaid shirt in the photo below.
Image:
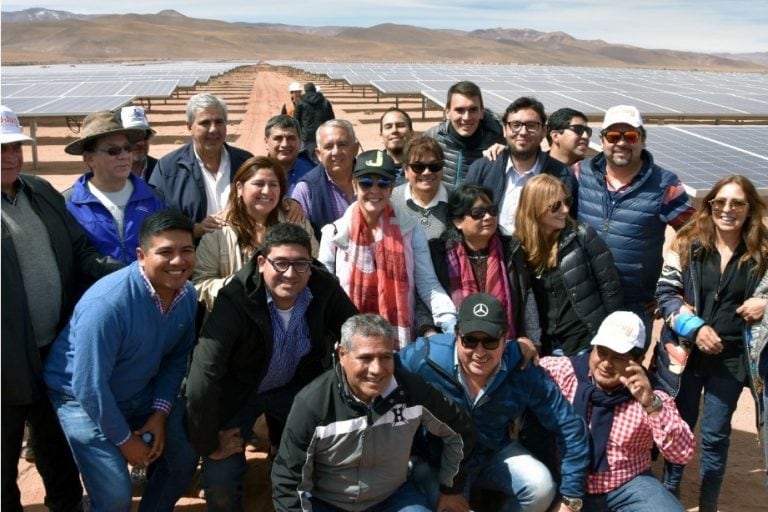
633	433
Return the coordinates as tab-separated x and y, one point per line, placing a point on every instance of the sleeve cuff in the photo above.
162	405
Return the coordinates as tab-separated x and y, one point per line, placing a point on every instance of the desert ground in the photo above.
253	95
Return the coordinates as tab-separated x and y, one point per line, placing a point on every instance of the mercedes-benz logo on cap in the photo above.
480	310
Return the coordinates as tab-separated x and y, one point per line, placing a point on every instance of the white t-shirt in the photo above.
114	202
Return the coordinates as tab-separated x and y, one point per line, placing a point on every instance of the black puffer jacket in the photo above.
459	156
312	111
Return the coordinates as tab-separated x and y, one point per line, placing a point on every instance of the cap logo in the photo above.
480	310
378	162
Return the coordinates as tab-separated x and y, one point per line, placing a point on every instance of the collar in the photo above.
19	187
535	169
440	197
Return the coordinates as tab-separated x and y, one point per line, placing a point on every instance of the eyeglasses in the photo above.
116	150
282	266
614	136
471	342
555	207
382	183
516	126
719	203
420	167
578	129
478	212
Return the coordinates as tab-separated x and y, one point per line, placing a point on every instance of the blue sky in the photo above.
703	25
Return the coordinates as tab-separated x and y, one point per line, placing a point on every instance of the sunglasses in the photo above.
116	150
555	207
614	136
420	167
471	342
516	126
282	266
719	204
382	183
579	129
478	212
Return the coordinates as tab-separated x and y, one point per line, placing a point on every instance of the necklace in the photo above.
425	213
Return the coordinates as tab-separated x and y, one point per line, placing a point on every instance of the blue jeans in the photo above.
721	394
405	499
644	493
103	467
512	471
222	480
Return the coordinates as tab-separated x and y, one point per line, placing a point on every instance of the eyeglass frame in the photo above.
440	164
491	209
576	128
115	151
736	204
622	135
289	264
381	183
474	342
555	206
538	125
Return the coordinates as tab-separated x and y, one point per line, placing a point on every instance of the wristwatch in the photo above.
574	504
656	405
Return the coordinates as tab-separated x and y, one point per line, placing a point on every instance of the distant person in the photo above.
521	160
326	191
143	165
568	135
348	439
312	110
468	129
630	201
115	370
195	179
46	258
396	129
294	89
282	138
109	200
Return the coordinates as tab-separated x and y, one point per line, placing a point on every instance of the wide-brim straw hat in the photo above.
99	124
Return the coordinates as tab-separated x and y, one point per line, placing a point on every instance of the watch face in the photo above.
574	504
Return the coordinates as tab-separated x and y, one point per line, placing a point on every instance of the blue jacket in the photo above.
99	224
633	225
179	179
506	397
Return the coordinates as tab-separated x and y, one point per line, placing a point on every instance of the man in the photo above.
610	389
271	331
479	369
396	129
115	370
143	165
326	191
195	179
109	200
294	89
630	201
282	139
46	258
349	434
521	160
568	136
312	110
468	129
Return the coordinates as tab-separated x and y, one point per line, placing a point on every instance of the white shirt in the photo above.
513	186
216	187
114	202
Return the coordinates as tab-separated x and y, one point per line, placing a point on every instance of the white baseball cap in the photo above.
295	86
134	117
621	331
622	114
10	128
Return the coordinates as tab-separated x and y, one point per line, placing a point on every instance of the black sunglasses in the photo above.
471	342
382	183
579	129
478	212
555	207
116	150
420	167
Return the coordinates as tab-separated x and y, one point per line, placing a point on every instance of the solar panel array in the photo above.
75	90
699	154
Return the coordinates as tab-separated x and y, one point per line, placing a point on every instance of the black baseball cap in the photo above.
484	313
375	161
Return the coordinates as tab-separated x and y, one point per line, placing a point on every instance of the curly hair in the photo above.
700	227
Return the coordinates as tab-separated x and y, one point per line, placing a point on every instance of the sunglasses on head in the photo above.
420	167
579	129
116	150
555	207
471	342
382	183
478	212
614	136
719	203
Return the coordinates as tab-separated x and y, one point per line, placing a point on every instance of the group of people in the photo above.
394	314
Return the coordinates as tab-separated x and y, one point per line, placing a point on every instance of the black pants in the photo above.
52	456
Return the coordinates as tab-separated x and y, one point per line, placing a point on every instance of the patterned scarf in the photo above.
462	279
379	280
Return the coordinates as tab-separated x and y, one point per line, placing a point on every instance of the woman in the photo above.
381	259
424	196
471	257
258	188
706	296
572	273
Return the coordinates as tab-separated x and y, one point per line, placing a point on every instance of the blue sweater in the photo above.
118	346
